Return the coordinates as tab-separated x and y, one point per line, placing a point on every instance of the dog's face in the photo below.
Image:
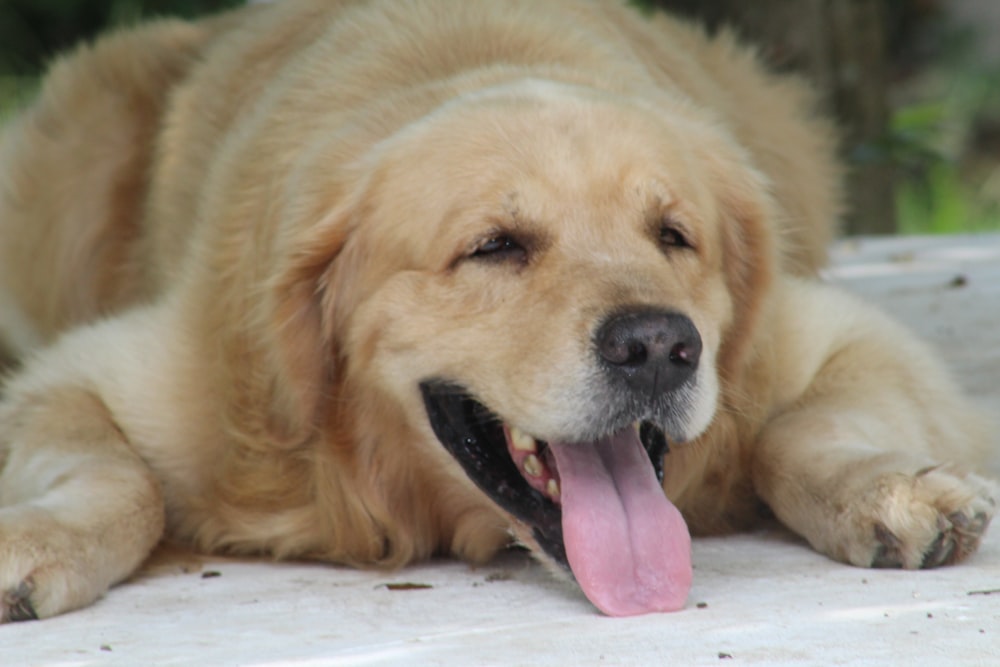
547	284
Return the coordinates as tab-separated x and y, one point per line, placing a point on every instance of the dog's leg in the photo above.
865	505
79	511
872	463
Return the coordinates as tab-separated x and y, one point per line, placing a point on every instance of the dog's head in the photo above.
548	286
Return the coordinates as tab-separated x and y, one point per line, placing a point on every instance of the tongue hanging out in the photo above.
594	506
627	545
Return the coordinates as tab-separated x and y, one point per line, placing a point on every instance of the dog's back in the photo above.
103	174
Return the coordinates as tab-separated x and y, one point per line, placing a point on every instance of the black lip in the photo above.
474	437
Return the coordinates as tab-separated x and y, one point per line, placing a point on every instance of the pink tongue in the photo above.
627	545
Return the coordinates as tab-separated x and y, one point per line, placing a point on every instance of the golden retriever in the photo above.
370	281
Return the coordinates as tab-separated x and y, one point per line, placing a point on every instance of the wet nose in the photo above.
651	350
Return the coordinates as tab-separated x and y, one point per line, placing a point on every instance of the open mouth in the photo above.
597	507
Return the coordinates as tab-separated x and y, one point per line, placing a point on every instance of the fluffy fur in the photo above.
231	249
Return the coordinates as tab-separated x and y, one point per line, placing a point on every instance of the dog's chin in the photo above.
569	500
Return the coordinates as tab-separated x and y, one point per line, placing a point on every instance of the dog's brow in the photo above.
511	203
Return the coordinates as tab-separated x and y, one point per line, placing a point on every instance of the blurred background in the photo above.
914	84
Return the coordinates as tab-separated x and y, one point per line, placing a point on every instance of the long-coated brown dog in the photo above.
370	281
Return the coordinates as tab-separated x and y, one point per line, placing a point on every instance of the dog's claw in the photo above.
933	519
961	537
940	552
16	604
958	536
889	554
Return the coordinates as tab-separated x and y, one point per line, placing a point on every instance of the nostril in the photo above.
682	354
623	350
637	353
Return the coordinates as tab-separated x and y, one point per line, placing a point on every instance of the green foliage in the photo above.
14	92
645	6
946	181
33	31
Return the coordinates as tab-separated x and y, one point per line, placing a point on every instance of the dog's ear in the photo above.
750	256
303	352
288	370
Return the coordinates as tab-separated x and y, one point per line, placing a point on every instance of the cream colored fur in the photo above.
229	251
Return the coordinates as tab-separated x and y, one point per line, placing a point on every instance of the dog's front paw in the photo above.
41	572
15	604
31	578
934	517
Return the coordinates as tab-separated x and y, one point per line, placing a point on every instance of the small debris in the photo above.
106	647
903	257
930	615
702	605
208	574
988	591
960	280
405	586
725	656
499	576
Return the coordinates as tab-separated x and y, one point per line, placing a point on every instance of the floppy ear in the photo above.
300	352
284	372
749	258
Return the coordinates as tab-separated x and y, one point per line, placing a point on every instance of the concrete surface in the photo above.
758	599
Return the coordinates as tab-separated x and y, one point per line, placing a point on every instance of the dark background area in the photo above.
915	87
913	84
31	31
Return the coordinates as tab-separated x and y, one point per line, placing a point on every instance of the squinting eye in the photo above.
671	237
500	248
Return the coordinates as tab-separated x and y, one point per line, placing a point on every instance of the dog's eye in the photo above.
500	248
672	237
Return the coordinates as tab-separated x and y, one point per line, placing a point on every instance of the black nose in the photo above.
652	350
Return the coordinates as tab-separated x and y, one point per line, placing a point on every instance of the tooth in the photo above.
532	466
552	488
522	441
637	426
